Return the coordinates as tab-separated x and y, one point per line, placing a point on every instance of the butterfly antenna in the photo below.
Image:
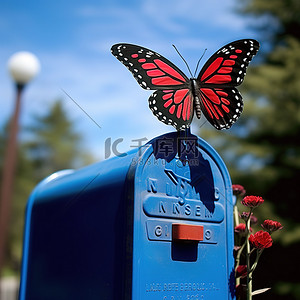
183	60
199	62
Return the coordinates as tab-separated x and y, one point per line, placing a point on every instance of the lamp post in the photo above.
23	66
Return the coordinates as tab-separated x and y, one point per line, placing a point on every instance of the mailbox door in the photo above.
182	224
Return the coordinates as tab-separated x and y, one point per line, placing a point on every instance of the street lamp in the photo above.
23	67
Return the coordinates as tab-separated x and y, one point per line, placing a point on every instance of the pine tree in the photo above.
24	182
53	145
262	150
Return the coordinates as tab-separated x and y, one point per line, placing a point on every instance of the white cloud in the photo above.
177	16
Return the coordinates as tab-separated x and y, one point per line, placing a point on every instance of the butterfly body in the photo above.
177	97
196	95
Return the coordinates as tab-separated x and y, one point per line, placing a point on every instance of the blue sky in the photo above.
72	40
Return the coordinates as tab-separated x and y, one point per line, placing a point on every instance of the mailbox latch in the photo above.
187	232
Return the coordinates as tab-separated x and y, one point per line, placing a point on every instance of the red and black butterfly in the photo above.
176	97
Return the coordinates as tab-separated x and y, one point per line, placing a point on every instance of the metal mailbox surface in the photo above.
154	224
171	191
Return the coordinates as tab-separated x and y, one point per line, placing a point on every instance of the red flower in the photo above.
241	228
238	190
261	240
241	271
252	201
271	226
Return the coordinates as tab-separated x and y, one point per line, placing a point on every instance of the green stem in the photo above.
237	261
238	255
236	215
258	254
248	253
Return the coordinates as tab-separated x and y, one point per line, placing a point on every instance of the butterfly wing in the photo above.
173	107
172	103
221	103
227	67
221	106
151	70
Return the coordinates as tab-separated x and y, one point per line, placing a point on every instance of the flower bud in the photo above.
241	271
238	190
241	229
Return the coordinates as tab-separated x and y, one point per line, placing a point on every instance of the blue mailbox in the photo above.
156	223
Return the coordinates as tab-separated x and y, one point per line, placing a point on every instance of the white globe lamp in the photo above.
23	67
